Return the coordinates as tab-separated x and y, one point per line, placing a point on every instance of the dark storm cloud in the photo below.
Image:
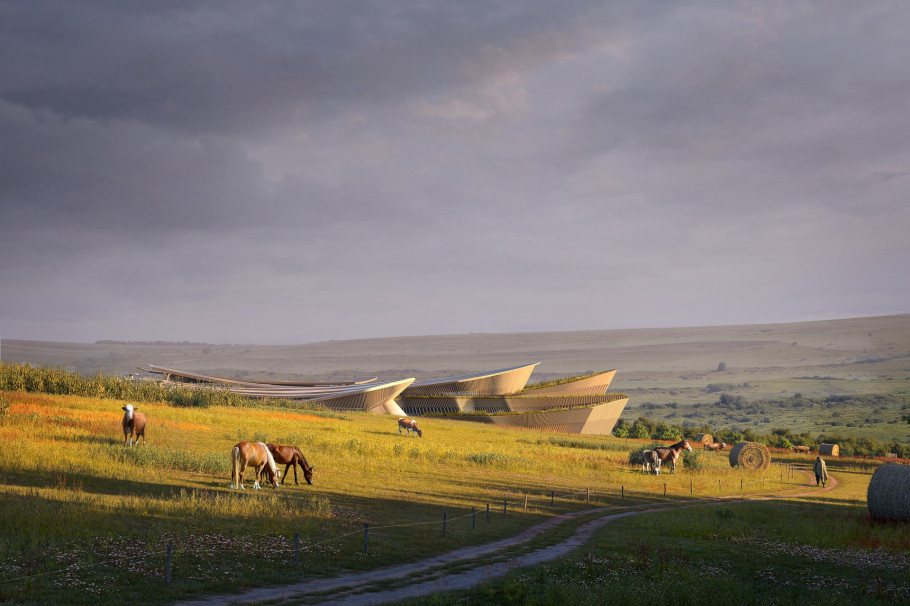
284	172
229	67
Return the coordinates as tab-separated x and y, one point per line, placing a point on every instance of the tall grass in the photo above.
69	482
23	377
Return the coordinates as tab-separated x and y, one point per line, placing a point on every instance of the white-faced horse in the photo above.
671	453
650	462
133	425
409	425
257	455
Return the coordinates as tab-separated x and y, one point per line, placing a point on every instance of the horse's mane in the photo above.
306	464
271	459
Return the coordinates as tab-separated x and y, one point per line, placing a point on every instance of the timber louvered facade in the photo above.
498	397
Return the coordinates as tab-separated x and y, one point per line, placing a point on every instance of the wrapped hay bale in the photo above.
888	496
828	450
750	455
704	438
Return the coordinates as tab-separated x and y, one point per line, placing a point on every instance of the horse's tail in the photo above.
235	467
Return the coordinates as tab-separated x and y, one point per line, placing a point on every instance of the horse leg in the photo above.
241	467
234	466
293	464
259	469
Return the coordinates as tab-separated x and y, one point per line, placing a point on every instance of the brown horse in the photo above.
133	425
257	455
410	425
290	456
671	453
715	446
801	449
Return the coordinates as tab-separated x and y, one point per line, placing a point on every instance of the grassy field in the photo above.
670	374
85	517
86	520
817	550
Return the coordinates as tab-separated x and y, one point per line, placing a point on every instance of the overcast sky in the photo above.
289	172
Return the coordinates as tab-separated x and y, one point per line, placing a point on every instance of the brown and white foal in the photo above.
133	425
410	425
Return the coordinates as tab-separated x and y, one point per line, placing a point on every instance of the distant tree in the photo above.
722	367
647	423
621	430
667	432
639	431
731	401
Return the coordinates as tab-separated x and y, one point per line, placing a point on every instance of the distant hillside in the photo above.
656	366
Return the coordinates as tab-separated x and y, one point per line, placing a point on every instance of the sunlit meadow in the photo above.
83	513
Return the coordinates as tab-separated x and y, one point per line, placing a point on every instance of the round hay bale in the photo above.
828	450
888	496
750	455
704	438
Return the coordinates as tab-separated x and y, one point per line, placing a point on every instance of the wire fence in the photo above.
557	499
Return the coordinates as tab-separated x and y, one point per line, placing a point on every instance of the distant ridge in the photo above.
175	343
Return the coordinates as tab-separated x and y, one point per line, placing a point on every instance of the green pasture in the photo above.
821	549
85	517
795	408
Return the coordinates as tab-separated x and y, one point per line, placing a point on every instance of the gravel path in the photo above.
353	588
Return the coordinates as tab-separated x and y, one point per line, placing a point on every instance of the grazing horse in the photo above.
671	453
650	462
410	425
133	425
802	449
258	456
290	456
715	446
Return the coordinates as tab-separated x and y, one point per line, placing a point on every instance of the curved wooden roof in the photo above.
488	383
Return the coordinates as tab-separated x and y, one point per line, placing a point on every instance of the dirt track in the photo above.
425	577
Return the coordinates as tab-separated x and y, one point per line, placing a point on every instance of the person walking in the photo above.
821	472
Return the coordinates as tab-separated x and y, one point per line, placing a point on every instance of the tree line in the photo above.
648	429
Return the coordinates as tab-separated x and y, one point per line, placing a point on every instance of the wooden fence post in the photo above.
473	517
552	497
488	513
587	495
504	503
444	524
665	489
526	501
622	493
366	536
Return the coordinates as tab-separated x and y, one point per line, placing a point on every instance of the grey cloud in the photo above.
247	172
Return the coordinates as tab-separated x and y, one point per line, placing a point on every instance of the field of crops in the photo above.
85	517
